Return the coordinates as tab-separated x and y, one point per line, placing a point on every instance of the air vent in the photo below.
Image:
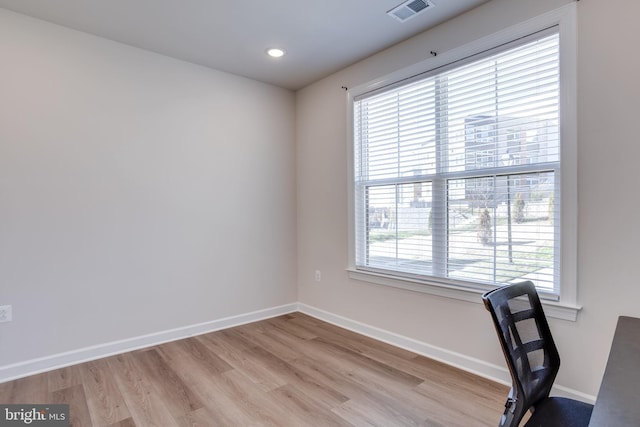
409	9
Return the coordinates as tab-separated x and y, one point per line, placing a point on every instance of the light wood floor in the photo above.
292	370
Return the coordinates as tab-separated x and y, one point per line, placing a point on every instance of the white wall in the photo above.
609	232
138	193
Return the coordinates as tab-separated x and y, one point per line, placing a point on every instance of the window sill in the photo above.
552	309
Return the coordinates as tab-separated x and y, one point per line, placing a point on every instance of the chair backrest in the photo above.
531	354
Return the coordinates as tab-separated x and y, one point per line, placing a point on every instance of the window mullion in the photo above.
439	202
398	173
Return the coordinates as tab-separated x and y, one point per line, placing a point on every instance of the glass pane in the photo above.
399	235
503	104
398	132
501	229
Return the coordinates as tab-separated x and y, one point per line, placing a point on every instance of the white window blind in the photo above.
456	172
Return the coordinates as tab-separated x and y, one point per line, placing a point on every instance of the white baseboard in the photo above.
43	364
476	366
469	364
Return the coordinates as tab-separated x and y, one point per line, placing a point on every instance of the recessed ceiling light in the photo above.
275	52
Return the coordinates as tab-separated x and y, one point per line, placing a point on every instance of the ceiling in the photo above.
320	37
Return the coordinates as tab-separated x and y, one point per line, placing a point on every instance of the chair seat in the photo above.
560	412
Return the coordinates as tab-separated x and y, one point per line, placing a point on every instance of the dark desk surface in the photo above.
618	401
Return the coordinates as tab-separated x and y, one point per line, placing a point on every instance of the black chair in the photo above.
533	360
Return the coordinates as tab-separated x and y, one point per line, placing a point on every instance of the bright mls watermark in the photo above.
34	415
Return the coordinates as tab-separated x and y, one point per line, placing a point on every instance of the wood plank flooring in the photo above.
292	370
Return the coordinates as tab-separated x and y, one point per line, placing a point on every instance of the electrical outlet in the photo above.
318	276
5	313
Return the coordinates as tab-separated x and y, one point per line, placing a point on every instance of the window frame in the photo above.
564	18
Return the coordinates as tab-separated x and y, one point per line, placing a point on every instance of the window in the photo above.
457	172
